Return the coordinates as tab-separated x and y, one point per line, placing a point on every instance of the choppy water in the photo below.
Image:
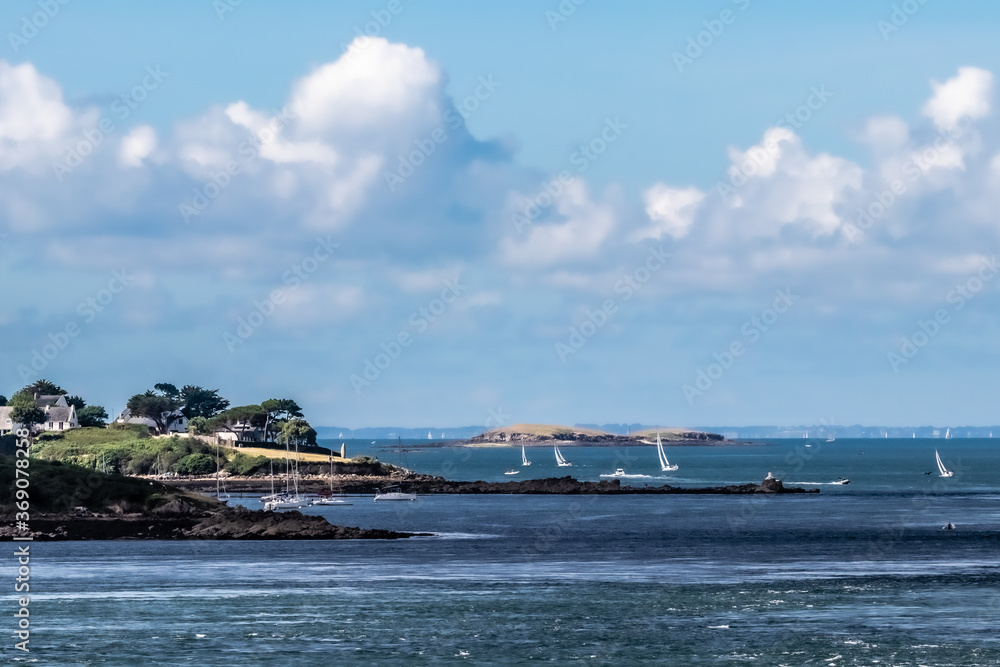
858	575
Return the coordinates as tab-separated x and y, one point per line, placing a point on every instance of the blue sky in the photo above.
638	280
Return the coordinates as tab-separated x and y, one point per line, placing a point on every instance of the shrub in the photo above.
244	465
196	464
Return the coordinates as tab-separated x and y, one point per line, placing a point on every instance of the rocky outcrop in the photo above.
571	486
236	523
243	524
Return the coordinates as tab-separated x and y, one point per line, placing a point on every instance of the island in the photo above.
549	434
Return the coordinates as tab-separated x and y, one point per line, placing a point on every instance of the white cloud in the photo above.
379	84
35	124
672	211
137	146
584	229
966	95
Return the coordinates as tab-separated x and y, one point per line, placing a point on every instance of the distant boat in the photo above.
914	434
947	434
394	493
830	439
619	472
843	480
524	457
220	487
511	471
327	498
944	471
664	463
560	459
429	436
341	435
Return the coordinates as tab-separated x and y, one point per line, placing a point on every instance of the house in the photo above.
179	425
240	433
59	415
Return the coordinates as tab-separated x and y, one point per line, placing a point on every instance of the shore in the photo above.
428	485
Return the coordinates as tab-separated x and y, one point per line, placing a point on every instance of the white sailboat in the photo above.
524	458
328	498
220	488
429	436
560	459
944	471
664	463
394	493
288	500
947	434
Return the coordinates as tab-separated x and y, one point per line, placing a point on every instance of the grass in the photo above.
134	452
545	429
665	433
276	454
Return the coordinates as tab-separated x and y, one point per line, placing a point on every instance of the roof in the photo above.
50	401
58	414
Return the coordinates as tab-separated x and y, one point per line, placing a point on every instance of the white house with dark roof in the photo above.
59	415
179	425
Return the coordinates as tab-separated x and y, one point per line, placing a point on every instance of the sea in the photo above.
859	574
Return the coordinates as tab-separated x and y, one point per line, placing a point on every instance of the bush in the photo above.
196	464
244	465
140	430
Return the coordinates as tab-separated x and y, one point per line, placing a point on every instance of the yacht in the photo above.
393	493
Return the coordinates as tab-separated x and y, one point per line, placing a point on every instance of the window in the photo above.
60	426
50	425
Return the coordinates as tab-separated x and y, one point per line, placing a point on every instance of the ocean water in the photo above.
861	574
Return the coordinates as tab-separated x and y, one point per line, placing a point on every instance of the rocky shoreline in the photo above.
237	523
428	485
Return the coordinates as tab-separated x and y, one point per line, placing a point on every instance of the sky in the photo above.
405	213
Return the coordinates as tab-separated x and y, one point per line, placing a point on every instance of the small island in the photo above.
548	434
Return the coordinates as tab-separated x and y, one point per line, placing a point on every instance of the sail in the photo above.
944	471
524	457
560	460
664	463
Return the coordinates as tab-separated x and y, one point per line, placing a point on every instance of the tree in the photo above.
239	420
44	388
24	412
297	432
3	400
199	402
93	416
76	401
199	426
167	389
279	409
160	407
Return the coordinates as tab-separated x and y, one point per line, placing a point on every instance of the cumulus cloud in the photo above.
137	146
583	228
968	95
672	211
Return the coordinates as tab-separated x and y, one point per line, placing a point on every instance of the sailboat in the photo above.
220	488
944	471
327	498
831	438
524	458
560	459
947	434
429	436
287	500
664	463
395	493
